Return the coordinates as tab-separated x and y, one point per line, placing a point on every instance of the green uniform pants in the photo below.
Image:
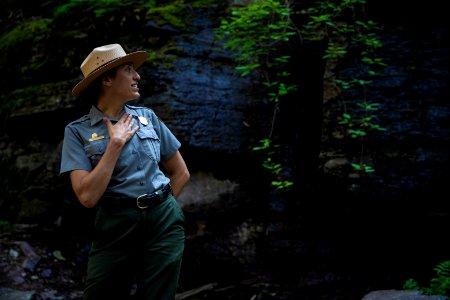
133	245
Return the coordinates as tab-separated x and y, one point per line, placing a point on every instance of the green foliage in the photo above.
360	125
282	184
270	163
30	62
24	32
101	8
257	31
362	168
335	51
439	285
341	22
267	22
169	13
126	10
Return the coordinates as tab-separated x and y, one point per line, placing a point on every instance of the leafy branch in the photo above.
439	285
255	33
348	34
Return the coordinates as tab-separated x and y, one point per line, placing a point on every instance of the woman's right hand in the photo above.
123	130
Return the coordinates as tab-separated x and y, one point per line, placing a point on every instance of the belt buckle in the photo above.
138	204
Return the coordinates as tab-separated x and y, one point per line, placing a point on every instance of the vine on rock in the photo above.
257	30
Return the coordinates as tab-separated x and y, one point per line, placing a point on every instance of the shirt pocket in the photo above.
150	143
95	150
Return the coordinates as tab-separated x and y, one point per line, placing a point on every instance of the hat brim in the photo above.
136	58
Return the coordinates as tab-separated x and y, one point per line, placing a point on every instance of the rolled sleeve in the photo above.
73	156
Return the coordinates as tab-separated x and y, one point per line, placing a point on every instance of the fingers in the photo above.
107	122
128	120
126	117
133	130
126	123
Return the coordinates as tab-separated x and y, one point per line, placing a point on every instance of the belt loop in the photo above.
161	194
170	189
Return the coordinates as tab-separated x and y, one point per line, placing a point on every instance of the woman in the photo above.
113	156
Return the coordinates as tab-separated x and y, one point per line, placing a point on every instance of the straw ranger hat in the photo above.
104	58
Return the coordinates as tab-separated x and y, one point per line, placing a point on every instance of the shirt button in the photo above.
141	183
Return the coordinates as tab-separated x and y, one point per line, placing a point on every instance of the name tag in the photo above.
143	121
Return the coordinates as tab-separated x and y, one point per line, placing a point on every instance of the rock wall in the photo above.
337	231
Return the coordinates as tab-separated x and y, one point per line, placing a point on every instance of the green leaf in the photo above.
57	254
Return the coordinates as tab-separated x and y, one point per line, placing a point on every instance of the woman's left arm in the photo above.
177	171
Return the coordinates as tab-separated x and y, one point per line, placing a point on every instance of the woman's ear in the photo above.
106	80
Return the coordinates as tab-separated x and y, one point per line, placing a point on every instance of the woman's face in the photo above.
125	83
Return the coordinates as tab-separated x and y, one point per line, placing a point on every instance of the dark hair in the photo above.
90	95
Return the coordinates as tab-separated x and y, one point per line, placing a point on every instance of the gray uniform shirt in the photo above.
137	170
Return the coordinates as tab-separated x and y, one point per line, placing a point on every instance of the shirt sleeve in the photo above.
73	155
169	143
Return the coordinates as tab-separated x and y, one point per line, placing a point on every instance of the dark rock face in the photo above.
342	236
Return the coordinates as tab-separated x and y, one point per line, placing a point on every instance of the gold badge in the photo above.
143	121
95	137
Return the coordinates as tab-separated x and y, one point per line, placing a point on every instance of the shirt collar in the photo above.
130	111
96	115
